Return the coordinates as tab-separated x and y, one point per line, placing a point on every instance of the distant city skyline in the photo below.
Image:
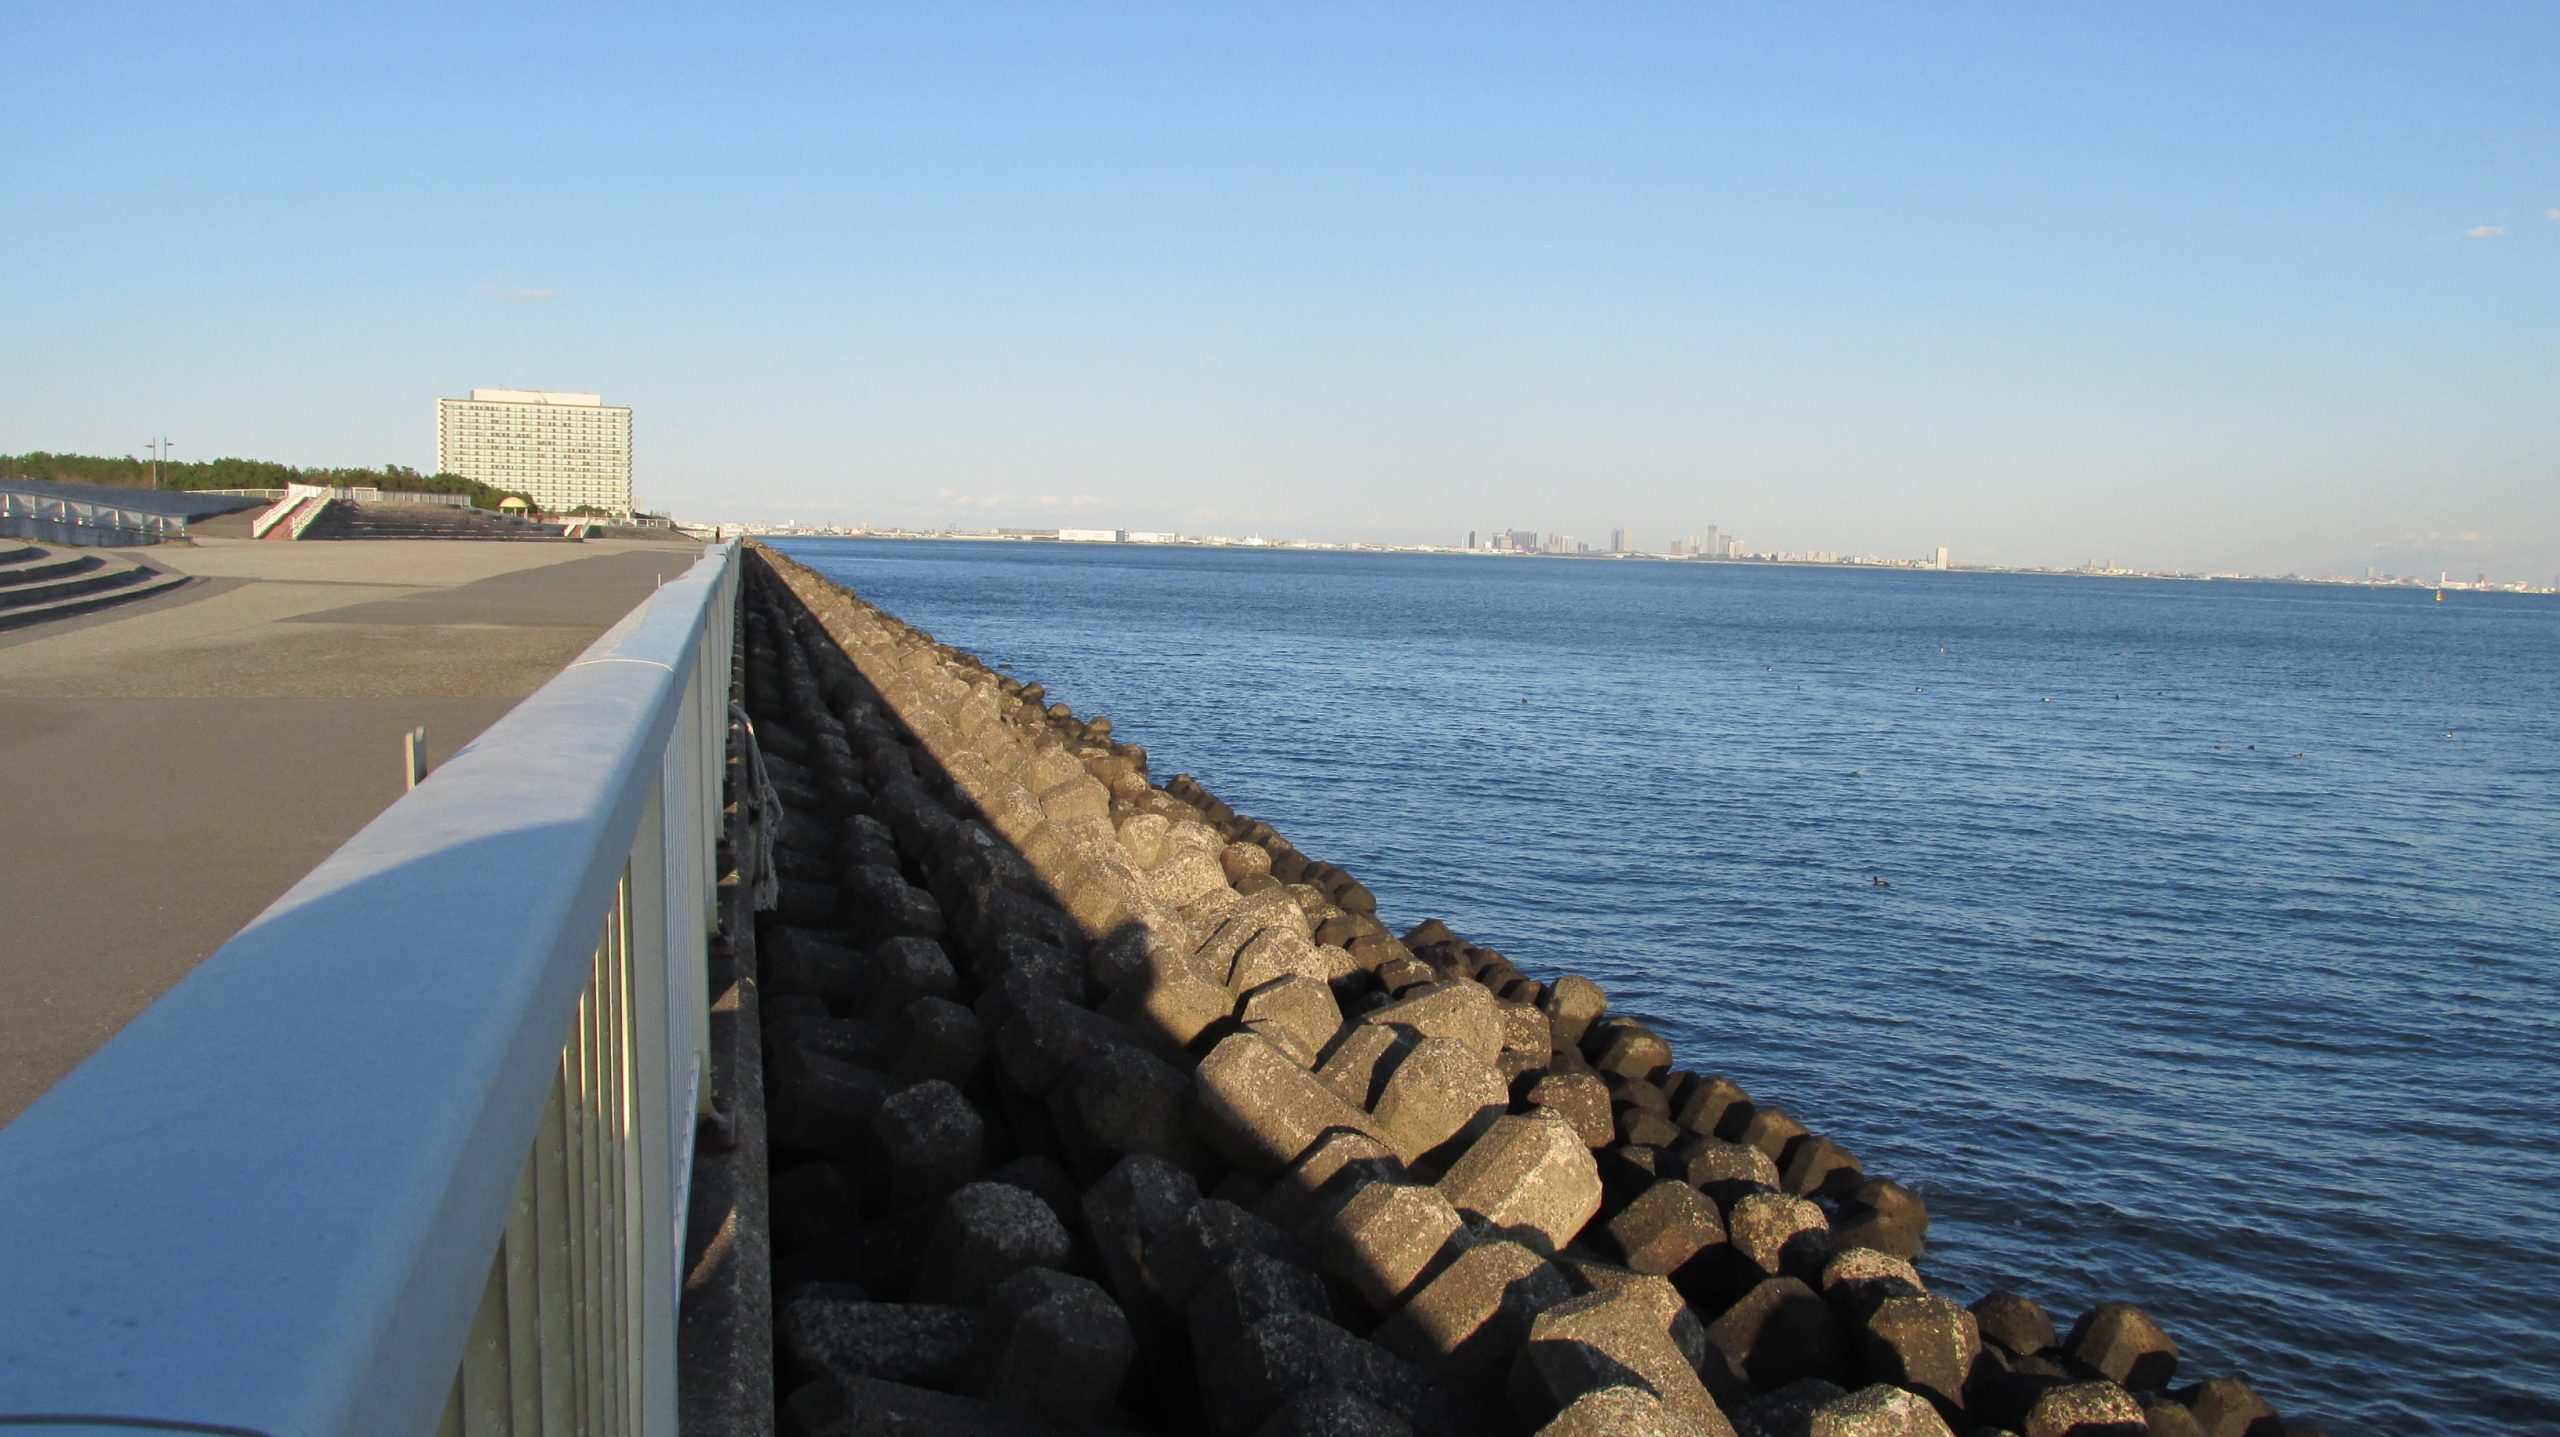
2188	288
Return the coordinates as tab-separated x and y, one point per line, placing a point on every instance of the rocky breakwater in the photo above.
1098	1107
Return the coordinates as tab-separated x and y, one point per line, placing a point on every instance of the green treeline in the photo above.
131	473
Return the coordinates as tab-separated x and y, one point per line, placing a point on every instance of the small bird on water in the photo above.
1880	883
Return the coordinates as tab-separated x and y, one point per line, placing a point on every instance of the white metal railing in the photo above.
411	1153
278	512
309	514
109	519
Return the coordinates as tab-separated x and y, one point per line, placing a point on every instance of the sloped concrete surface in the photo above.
170	767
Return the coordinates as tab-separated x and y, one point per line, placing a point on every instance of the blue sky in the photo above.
2268	287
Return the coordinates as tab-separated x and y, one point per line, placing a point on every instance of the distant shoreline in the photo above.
1895	567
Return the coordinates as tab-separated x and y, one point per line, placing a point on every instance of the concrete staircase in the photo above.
38	582
343	520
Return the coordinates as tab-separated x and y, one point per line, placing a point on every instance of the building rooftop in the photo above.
539	396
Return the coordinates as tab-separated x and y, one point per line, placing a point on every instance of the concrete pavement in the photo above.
168	769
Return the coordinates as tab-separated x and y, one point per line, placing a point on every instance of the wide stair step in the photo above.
418	521
38	584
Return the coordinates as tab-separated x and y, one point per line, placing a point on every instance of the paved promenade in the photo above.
168	769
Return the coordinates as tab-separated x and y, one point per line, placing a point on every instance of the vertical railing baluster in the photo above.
555	1284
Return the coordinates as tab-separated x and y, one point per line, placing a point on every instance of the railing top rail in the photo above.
268	1205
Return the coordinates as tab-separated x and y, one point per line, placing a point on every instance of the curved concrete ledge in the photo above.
1098	1106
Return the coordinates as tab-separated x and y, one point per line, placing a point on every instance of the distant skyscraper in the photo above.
1618	541
562	451
1715	546
1942	556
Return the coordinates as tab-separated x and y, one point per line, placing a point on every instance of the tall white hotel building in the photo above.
559	450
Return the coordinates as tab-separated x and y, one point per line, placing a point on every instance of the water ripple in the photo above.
2217	967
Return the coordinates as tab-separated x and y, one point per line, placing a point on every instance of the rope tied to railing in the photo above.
765	826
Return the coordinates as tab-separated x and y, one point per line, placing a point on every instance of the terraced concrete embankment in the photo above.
1096	1106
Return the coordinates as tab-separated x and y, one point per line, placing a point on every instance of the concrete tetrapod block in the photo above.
1669	1224
1669	1308
843	1338
1529	1176
1054	1345
1878	1411
1025	965
1602	1340
901	970
1859	1279
1777	1234
1580	1099
1137	1199
1615	1412
858	1041
1819	1167
1886	1216
1122	1101
2162	1417
1361	1057
1298	1013
1633	1051
2085	1409
1260	1109
985	1233
1332	1412
1924	1342
1440	1090
819	1105
1169	1009
876	903
2225	1407
1461	1010
2016	1325
1282	1357
1202	1239
2120	1340
1573	1003
944	1040
931	1141
1301	1199
1387	1239
1046	1037
1478	1310
1785	1412
1774	1131
1779	1333
873	1407
1727	1172
1274	953
803	960
1243	1290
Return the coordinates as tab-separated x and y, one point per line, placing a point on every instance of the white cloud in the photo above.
527	296
2485	231
2551	214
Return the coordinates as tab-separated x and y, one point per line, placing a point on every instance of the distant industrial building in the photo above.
562	451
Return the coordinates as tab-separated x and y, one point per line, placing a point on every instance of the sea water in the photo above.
2192	944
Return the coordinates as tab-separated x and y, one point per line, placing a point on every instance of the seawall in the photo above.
1096	1106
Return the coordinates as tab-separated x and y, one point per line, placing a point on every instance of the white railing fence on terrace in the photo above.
411	1153
49	519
